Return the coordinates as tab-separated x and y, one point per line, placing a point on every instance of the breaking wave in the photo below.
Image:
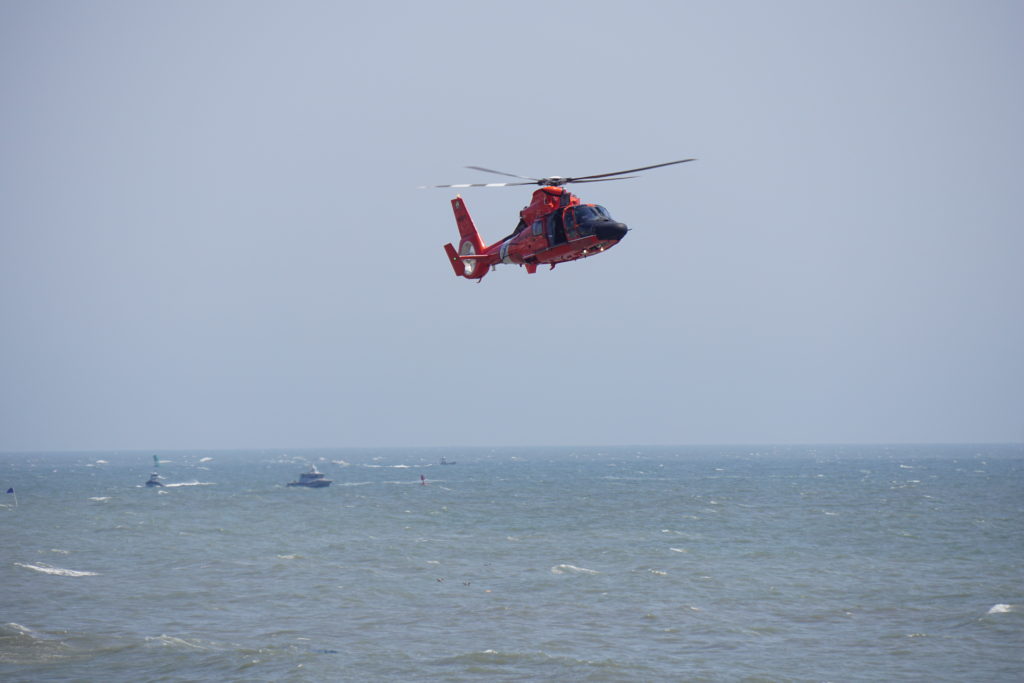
1002	608
571	569
55	571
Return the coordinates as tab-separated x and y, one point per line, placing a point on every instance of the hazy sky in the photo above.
211	236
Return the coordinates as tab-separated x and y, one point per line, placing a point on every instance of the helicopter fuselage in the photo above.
554	228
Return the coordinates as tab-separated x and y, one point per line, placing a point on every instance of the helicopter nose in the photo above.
611	230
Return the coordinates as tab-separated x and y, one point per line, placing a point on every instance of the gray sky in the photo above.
211	236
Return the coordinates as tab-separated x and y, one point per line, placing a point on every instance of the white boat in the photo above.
314	479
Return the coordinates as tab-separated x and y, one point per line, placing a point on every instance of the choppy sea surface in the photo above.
799	563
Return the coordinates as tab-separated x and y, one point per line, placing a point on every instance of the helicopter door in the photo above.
556	228
569	224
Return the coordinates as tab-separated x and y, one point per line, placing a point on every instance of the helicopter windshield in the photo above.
592	212
580	221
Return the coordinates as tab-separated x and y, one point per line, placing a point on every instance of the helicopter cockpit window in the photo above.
592	212
538	228
580	220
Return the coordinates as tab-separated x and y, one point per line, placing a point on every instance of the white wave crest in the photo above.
20	629
571	569
174	641
55	571
188	483
1002	608
100	499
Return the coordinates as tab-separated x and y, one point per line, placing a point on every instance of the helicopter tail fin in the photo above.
468	261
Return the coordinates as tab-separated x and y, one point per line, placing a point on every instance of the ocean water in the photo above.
824	563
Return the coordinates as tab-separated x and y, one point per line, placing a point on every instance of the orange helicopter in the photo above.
553	229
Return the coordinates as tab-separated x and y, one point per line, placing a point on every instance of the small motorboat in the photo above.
154	480
314	479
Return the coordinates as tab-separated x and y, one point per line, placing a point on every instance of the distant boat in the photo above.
445	462
154	479
314	479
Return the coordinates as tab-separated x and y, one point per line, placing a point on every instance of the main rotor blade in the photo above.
427	187
632	170
510	175
601	180
585	180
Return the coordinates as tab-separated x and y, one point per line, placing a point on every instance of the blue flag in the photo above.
10	490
